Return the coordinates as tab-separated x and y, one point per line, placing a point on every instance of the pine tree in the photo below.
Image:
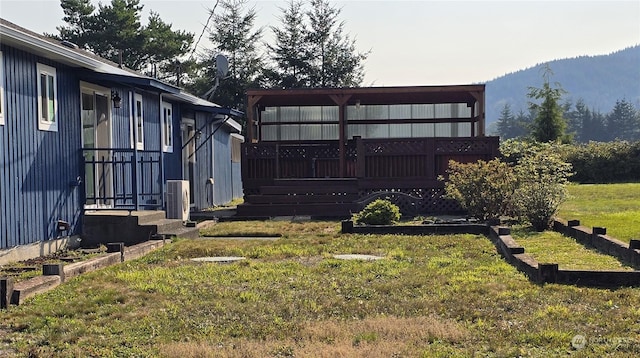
116	30
548	124
505	122
290	52
623	122
334	61
234	36
77	15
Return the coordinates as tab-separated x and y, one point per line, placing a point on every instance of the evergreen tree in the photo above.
548	124
233	35
575	116
334	61
116	30
595	128
77	14
163	46
623	122
522	124
290	53
506	122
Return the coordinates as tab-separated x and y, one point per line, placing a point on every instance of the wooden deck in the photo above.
280	181
330	151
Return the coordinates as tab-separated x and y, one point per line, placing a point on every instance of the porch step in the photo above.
164	225
337	210
102	227
183	232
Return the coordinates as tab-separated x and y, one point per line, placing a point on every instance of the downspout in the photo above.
161	164
134	167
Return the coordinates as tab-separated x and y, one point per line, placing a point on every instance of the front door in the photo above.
188	134
96	140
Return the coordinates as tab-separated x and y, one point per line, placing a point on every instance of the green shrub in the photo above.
482	188
378	212
529	185
608	162
542	187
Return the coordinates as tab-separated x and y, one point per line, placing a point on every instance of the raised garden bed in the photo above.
54	270
514	253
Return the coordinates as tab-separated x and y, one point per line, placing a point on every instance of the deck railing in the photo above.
122	178
405	170
364	158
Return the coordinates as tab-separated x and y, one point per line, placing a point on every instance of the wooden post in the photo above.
53	270
347	226
6	291
342	141
117	247
597	230
341	101
572	223
547	273
360	157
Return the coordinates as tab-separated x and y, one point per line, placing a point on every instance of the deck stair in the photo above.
327	197
131	227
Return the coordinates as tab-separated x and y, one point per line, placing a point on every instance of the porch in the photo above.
329	152
305	179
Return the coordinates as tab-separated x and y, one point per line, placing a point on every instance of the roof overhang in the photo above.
367	95
96	69
130	80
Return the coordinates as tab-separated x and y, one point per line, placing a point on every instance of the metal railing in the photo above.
122	178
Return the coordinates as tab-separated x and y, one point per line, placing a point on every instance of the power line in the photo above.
204	29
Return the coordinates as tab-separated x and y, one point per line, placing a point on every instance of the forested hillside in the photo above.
598	80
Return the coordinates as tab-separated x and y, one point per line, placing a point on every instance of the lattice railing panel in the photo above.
466	145
416	201
392	147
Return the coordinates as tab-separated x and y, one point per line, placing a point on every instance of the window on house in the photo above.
236	144
47	98
167	127
138	121
2	110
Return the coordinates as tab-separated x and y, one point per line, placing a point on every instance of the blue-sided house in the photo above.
79	135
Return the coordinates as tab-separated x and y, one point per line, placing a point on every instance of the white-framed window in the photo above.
47	98
2	110
138	121
167	127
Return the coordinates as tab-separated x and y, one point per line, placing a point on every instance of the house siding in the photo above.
38	166
213	160
40	169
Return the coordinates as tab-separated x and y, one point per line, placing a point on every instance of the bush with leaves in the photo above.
378	212
542	187
482	188
604	162
528	184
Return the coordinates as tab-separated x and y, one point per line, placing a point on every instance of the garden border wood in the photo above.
515	254
55	274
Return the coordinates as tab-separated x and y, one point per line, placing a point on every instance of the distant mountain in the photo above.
598	80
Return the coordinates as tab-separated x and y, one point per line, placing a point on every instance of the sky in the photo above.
422	42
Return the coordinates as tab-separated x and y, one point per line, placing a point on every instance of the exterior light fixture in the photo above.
115	97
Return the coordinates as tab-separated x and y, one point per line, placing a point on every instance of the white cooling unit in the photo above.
178	199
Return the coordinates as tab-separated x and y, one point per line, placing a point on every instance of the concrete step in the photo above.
149	216
183	232
164	225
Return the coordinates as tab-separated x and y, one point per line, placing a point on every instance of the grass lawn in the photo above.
432	296
614	206
553	247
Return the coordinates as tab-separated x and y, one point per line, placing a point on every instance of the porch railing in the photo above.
122	178
424	158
